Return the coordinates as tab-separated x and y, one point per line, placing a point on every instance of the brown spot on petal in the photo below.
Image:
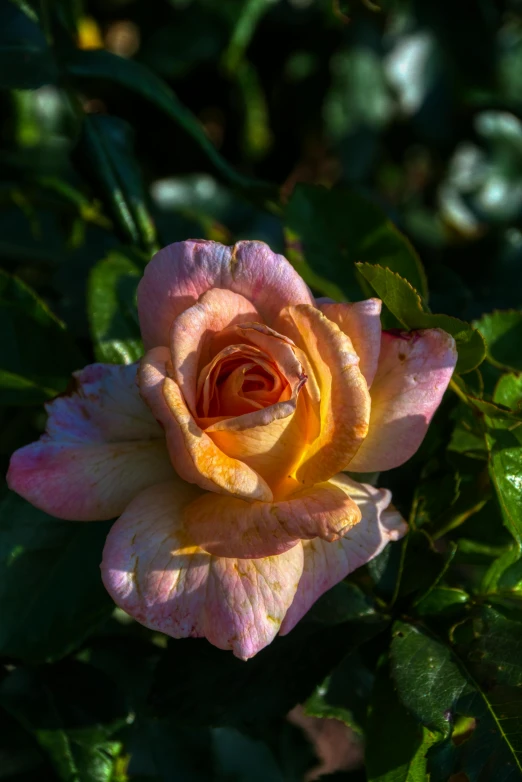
134	577
233	261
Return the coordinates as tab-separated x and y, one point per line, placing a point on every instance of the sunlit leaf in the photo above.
405	304
441	600
505	466
508	391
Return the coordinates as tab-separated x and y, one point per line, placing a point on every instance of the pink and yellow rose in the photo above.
223	450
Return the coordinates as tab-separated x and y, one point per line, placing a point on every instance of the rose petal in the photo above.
268	440
279	348
344	406
362	323
192	331
101	448
209	395
326	564
179	274
414	371
153	572
229	527
194	455
276	359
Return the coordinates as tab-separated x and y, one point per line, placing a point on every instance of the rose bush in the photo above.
223	451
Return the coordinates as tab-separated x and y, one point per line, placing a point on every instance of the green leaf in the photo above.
135	77
495	635
73	711
26	61
508	391
405	304
503	334
335	228
108	149
51	593
439	685
37	355
441	600
491	409
111	305
16	389
505	469
396	745
428	678
500	569
468	435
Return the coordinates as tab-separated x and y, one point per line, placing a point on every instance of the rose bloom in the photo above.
223	450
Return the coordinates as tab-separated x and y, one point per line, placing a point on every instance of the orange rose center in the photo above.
240	379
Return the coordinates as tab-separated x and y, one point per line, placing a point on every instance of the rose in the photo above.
263	397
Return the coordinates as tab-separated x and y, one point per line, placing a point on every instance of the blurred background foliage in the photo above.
340	133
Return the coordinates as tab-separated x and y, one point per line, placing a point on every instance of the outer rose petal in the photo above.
154	573
229	527
414	371
177	276
194	455
344	407
102	447
192	330
326	564
362	323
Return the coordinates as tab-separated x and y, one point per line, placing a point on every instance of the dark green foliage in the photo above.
51	596
381	150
